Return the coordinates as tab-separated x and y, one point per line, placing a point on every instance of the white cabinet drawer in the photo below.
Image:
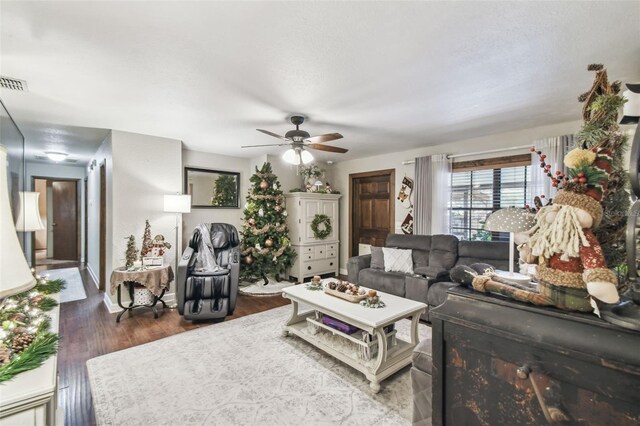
320	251
306	250
332	254
319	266
332	247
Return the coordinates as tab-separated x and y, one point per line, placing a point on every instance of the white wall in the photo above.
64	172
205	160
341	170
102	156
141	169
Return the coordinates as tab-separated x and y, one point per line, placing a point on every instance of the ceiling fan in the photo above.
299	140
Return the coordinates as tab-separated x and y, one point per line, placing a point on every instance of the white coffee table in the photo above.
388	359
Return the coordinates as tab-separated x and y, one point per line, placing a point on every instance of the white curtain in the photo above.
433	191
555	150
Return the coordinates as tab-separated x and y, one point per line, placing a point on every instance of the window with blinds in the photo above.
476	193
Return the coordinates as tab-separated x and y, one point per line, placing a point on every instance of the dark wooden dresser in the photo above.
500	362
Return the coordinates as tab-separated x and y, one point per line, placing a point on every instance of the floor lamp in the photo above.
178	204
511	220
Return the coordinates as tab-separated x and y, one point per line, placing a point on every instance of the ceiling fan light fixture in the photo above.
56	156
291	157
306	157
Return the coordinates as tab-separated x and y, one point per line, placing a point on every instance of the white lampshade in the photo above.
306	157
15	275
511	219
177	203
28	213
291	157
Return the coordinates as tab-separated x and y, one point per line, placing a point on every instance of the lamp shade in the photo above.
15	275
28	213
177	203
511	219
291	157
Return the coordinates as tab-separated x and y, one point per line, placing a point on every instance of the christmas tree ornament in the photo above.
275	258
261	212
277	208
268	242
248	260
258	246
275	186
264	184
252	222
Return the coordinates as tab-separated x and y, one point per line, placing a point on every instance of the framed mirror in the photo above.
212	188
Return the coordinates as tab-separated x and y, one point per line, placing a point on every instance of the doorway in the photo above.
59	205
371	208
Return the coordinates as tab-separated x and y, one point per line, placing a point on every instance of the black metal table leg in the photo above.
132	306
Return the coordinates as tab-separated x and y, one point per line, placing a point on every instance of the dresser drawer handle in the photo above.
331	264
309	268
552	414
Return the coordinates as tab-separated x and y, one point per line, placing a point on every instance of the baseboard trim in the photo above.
112	305
93	276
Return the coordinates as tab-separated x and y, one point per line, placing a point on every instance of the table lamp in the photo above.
178	204
15	274
29	213
511	220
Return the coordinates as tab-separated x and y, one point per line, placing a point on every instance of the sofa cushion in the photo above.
444	251
377	258
420	242
495	253
397	260
438	293
388	282
421	356
420	258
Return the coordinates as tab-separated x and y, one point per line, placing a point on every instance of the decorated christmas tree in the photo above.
600	129
132	252
266	248
225	190
147	242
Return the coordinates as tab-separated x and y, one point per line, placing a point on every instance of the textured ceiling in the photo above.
389	76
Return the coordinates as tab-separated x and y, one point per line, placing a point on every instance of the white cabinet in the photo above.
315	257
30	398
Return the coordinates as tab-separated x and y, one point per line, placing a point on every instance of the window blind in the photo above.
475	194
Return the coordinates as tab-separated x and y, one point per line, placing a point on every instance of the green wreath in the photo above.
325	221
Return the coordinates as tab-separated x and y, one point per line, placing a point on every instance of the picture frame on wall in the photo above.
212	189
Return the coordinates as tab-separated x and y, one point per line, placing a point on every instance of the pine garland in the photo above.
25	340
44	346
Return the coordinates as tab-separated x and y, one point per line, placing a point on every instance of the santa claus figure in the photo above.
571	266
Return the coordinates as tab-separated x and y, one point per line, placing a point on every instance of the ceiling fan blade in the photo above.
275	135
324	138
329	148
258	146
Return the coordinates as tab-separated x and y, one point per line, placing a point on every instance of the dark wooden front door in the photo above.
65	220
372	212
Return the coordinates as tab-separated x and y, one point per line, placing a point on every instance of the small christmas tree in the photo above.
600	129
147	242
266	248
225	191
131	255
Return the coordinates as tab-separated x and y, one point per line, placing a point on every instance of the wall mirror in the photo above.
212	188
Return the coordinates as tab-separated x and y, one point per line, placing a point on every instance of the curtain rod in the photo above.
467	154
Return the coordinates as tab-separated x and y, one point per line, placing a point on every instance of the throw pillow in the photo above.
377	258
397	260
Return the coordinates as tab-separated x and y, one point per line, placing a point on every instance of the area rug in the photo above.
259	289
242	372
74	288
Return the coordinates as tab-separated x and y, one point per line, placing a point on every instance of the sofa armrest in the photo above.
355	265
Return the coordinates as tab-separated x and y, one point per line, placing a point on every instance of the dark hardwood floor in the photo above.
88	330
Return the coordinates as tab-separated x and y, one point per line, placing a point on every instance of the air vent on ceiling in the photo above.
13	84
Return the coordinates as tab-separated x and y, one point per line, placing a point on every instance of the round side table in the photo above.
154	279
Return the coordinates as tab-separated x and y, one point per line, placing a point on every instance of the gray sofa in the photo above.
433	257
